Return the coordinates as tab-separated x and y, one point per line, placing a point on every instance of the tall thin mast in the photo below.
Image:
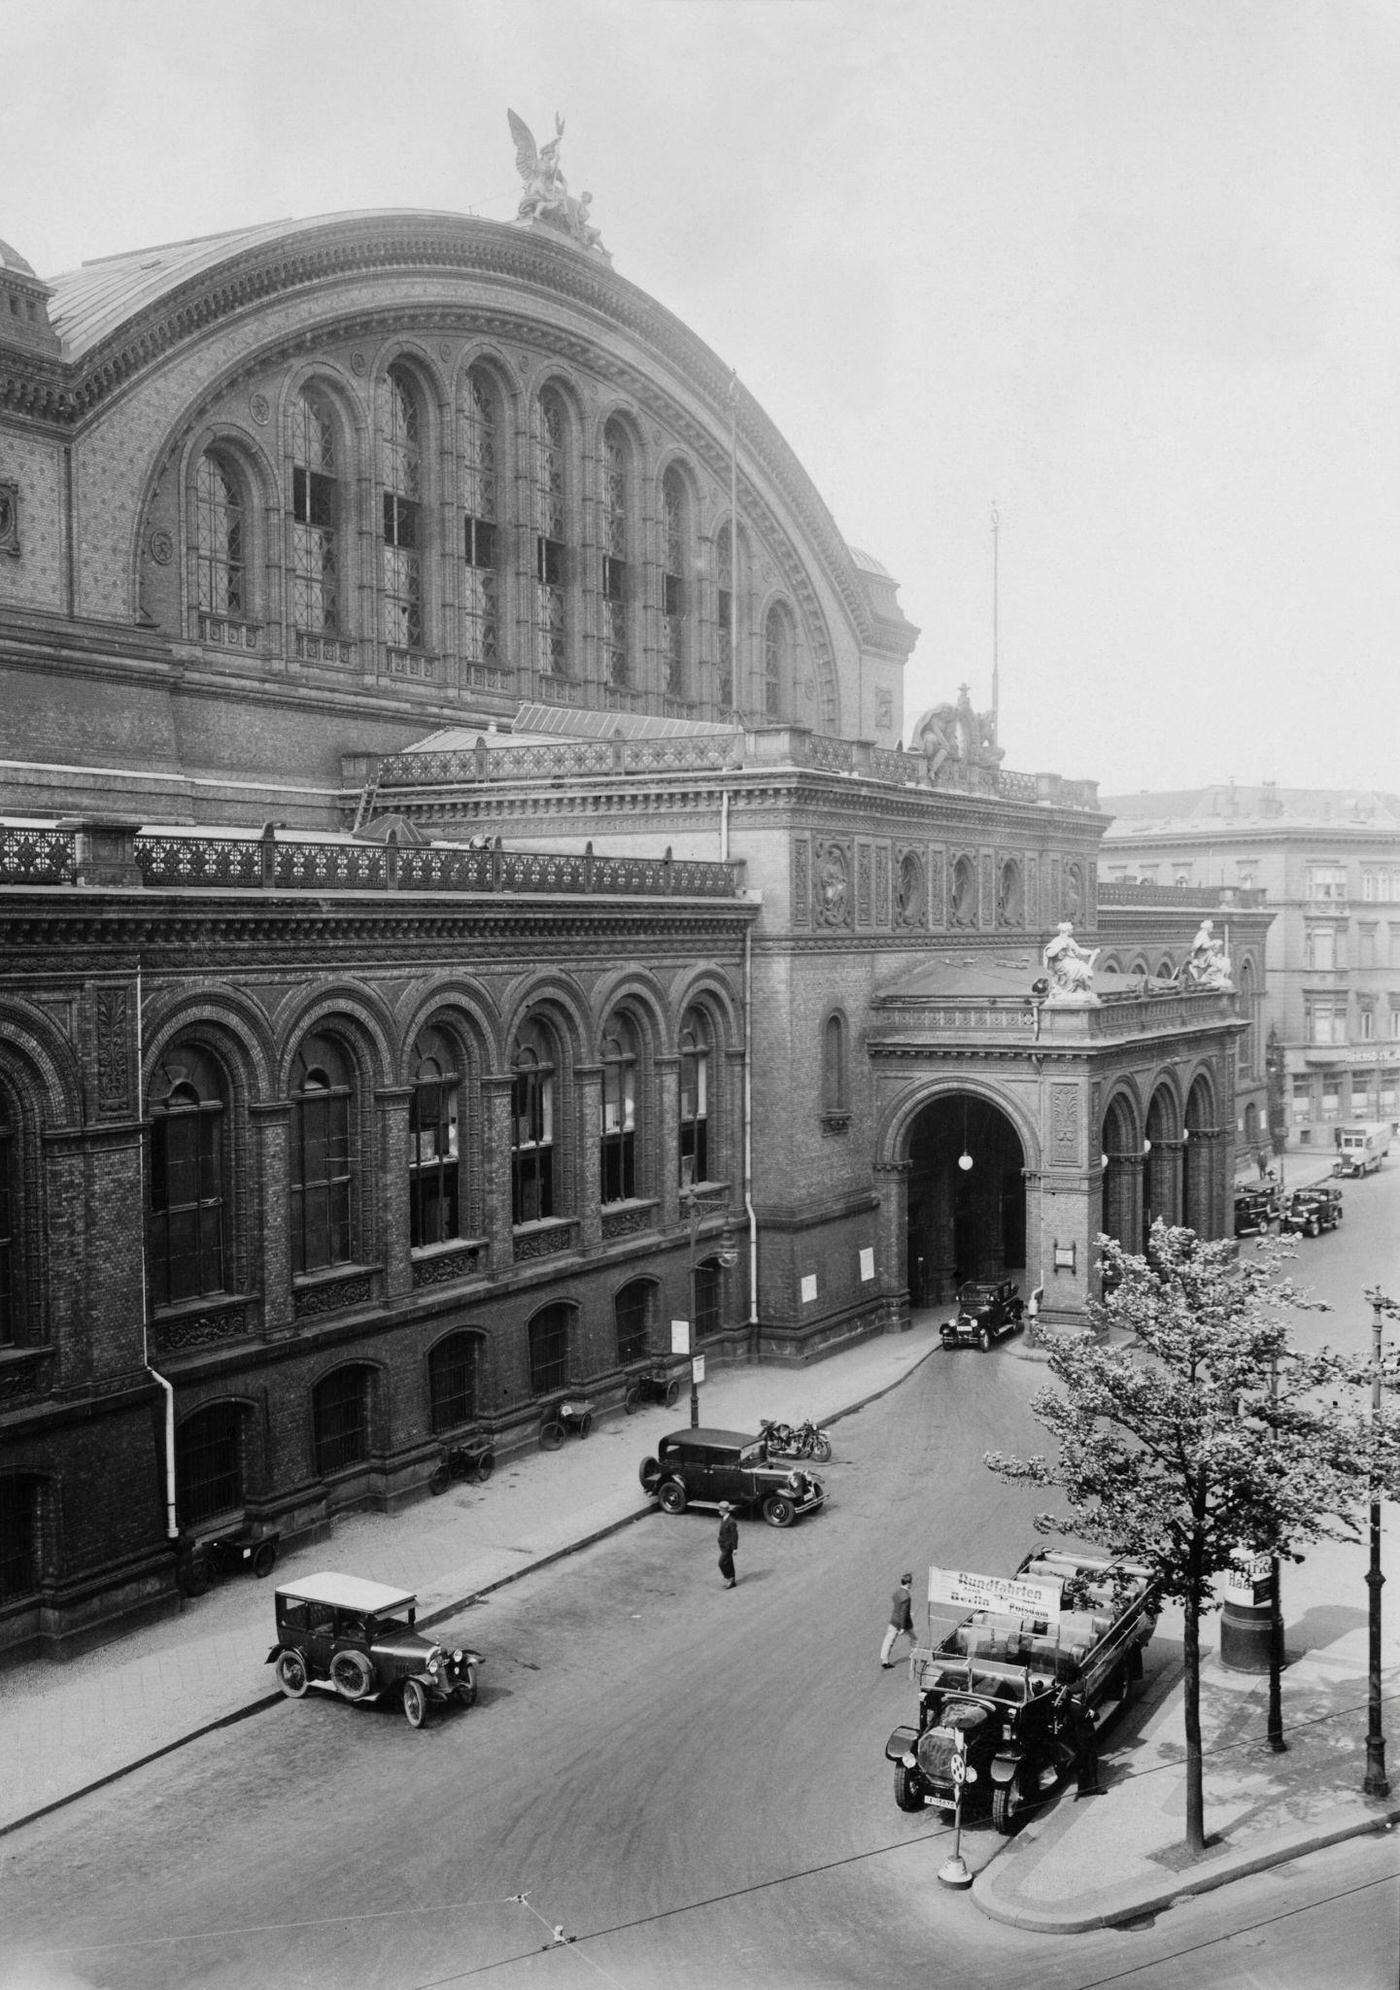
996	672
734	698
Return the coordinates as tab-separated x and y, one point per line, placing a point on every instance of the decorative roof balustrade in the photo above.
1125	891
572	757
898	1019
165	860
33	853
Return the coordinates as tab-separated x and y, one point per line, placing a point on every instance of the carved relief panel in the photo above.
882	884
801	883
831	885
1065	1150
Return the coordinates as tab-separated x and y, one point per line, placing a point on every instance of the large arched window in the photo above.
221	539
550	508
708	1298
618	1155
532	1126
209	1464
340	1417
675	578
633	1309
617	509
696	1046
12	1332
401	493
316	522
322	1159
453	1374
481	606
187	1226
777	660
434	1143
726	608
549	1350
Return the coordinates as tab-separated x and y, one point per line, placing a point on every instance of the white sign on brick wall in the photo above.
809	1288
867	1263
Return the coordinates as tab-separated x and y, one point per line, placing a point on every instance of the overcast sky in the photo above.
1130	270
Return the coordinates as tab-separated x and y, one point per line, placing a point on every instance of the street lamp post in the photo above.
1375	1783
1275	1726
728	1256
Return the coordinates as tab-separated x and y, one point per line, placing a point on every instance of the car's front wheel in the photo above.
908	1789
672	1497
779	1511
352	1675
415	1702
984	1338
1008	1805
466	1691
291	1674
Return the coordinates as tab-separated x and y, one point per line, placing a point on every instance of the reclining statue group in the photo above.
1069	968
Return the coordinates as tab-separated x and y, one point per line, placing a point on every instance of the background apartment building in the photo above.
1328	862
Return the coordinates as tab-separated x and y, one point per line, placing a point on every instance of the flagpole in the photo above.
734	697
996	671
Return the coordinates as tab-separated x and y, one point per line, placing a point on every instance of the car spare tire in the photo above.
352	1675
649	1472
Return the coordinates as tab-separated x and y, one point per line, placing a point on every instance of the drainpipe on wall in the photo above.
748	1125
172	1529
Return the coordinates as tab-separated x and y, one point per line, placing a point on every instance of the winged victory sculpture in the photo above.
545	197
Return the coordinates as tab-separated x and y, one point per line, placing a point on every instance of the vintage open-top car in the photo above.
987	1309
358	1637
703	1467
1310	1211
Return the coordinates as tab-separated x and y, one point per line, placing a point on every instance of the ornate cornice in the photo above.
50	933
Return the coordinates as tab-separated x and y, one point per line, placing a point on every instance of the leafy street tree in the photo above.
1206	1433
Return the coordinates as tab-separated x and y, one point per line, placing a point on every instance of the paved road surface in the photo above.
689	1780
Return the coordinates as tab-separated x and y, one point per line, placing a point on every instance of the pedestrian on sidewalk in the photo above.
901	1622
728	1542
1078	1717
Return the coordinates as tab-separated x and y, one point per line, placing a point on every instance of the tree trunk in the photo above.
1195	1795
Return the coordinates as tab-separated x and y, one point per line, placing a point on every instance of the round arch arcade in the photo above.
966	1197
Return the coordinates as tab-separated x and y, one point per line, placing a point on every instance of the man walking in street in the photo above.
728	1542
901	1621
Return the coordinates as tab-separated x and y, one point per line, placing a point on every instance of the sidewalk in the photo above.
67	1727
1114	1858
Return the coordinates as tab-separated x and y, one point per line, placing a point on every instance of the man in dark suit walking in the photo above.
728	1542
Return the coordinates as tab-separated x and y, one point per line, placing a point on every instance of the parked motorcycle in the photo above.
801	1440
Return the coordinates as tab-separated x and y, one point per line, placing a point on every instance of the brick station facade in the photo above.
465	903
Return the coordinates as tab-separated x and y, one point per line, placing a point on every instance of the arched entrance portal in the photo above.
968	1220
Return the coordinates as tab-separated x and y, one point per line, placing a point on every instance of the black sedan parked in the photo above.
703	1467
987	1310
